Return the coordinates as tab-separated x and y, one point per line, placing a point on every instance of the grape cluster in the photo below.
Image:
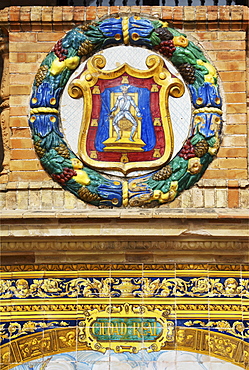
85	48
201	148
188	72
39	150
163	174
166	48
164	33
66	175
59	51
188	150
87	195
63	151
41	74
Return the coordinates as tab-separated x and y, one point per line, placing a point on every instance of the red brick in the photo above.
21	132
47	27
14	14
22	37
25	27
103	11
23	68
245	18
207	35
36	14
234	141
47	14
225	174
20	90
18	122
23	111
231	55
236	108
233	183
25	13
4	179
57	14
167	13
236	118
236	17
79	13
201	13
230	163
156	11
212	16
91	13
23	154
114	10
4	15
236	97
28	176
232	76
233	152
234	86
235	129
239	35
178	14
25	165
37	47
19	100
17	79
189	17
21	143
14	27
224	22
50	36
224	45
233	198
67	13
31	58
134	10
233	65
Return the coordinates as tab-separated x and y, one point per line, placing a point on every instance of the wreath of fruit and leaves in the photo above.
184	170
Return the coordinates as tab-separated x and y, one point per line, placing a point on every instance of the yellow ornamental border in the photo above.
61	340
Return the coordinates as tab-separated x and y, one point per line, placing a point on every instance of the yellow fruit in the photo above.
57	67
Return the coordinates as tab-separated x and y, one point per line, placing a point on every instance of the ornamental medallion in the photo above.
126	112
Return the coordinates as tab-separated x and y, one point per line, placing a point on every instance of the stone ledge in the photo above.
50	184
129	214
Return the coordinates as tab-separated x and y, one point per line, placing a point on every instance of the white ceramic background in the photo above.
162	360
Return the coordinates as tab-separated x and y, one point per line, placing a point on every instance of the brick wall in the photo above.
30	33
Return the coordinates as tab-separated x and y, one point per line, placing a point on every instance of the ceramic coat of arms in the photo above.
126	112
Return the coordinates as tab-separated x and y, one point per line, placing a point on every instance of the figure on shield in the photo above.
124	103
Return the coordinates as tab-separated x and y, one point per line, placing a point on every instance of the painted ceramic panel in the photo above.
131	138
148	317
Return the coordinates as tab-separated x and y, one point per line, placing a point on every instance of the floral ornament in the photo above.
181	172
235	328
12	330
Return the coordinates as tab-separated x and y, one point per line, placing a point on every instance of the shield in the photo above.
126	122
